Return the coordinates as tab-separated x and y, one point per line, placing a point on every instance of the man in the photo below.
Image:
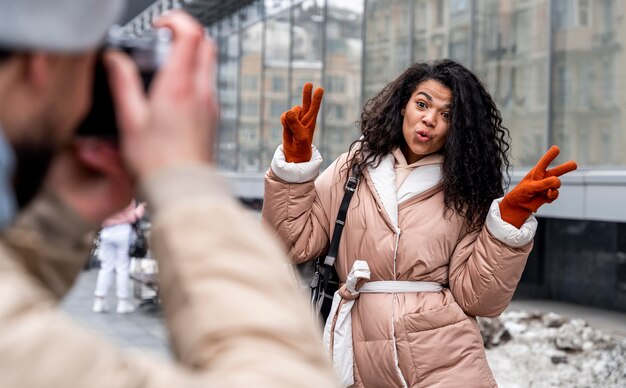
233	317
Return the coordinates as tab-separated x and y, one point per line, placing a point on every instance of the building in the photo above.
554	68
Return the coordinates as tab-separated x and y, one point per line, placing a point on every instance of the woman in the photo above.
115	239
428	210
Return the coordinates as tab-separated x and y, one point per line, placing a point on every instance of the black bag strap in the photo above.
325	267
351	185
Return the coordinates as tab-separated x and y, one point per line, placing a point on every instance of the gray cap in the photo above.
56	25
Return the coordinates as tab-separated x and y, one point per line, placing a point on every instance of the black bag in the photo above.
139	246
325	279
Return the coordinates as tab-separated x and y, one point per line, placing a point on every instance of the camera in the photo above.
148	51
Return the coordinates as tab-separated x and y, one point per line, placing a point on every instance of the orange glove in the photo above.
539	186
299	126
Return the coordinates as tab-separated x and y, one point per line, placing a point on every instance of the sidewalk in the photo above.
608	321
142	329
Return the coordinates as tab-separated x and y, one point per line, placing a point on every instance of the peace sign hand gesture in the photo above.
299	125
538	187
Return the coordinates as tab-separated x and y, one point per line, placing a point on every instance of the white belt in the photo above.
339	321
398	286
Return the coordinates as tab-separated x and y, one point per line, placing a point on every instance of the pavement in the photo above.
144	329
141	330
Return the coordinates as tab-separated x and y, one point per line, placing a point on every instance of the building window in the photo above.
584	13
608	80
278	84
459	45
248	134
607	141
458	6
492	33
571	14
336	84
439	13
339	112
277	109
250	108
586	90
421	16
561	85
249	82
523	35
336	111
607	16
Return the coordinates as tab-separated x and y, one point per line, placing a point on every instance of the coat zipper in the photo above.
393	312
395	253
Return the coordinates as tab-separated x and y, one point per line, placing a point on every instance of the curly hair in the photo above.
475	151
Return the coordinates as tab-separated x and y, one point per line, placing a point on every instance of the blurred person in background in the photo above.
442	242
115	239
232	315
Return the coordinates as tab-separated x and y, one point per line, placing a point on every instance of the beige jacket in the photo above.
233	317
404	339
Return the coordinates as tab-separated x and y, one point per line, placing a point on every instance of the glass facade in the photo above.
589	81
554	68
342	76
274	48
511	55
387	49
247	157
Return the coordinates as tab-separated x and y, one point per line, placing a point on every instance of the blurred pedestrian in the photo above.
232	316
441	241
115	239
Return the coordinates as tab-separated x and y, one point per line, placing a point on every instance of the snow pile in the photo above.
530	349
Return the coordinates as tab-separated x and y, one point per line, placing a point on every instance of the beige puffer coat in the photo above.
232	315
405	339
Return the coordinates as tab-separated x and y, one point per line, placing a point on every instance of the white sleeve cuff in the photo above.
506	232
296	172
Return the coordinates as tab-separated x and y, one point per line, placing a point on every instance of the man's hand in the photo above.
176	123
90	177
299	126
538	187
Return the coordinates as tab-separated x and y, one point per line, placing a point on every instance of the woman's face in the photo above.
426	120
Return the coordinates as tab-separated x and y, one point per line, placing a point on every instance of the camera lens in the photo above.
100	121
148	52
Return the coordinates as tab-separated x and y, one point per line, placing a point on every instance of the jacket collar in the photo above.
428	160
425	175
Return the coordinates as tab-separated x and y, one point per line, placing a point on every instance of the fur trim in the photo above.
296	172
507	233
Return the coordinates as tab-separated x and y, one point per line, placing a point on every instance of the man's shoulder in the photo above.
19	287
8	260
